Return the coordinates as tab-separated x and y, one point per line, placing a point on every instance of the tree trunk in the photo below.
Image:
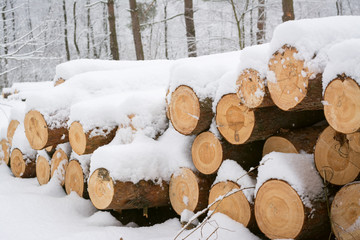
76	179
166	32
21	165
208	152
190	28
112	27
43	169
136	30
6	49
11	130
75	29
4	151
59	163
288	10
66	32
237	24
261	23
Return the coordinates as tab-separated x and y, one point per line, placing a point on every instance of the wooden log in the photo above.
336	162
11	130
238	124
189	190
59	163
208	152
188	114
342	104
167	104
76	179
22	165
50	149
290	85
59	81
4	151
252	90
345	212
281	214
293	141
87	142
43	169
354	141
105	193
40	134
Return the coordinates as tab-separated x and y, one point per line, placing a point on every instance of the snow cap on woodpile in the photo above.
255	57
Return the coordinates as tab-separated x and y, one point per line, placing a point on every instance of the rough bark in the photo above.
190	28
136	30
288	10
114	48
261	22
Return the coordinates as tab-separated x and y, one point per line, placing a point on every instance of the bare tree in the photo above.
166	31
75	29
5	40
136	30
190	28
288	10
66	32
339	7
114	48
261	23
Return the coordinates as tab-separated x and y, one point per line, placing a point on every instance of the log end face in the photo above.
11	130
101	189
184	110
235	206
59	81
42	170
77	138
74	178
342	108
279	210
184	191
250	88
17	163
354	141
278	144
207	153
36	129
5	151
59	164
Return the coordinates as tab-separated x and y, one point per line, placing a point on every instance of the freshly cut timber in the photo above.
208	152
342	104
4	151
281	214
293	141
105	193
235	206
336	162
11	130
189	190
252	91
39	133
59	162
290	85
21	165
345	212
84	142
354	141
188	114
239	124
51	149
59	81
75	179
42	169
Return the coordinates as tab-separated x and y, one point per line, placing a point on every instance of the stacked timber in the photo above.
43	167
22	90
59	162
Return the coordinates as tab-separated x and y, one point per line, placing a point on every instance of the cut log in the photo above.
11	130
75	179
188	115
235	206
58	82
345	212
39	133
86	143
21	165
51	149
342	105
238	124
289	82
354	141
189	190
43	169
281	214
59	162
105	193
336	162
252	90
4	151
293	141
208	152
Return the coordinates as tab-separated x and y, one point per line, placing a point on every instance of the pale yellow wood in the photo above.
235	206
101	188
184	191
336	161
4	151
279	211
207	153
354	141
345	212
59	81
36	129
342	108
292	78
74	178
278	144
17	163
59	162
77	138
42	170
11	130
234	120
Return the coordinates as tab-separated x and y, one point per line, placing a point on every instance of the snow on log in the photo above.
189	190
289	201
341	85
17	114
251	81
234	190
335	160
11	130
23	90
59	162
77	174
4	151
345	214
299	56
293	141
43	167
208	153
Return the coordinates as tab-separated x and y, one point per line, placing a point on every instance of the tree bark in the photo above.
66	32
6	49
190	28
288	10
261	23
75	29
166	32
114	48
136	30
